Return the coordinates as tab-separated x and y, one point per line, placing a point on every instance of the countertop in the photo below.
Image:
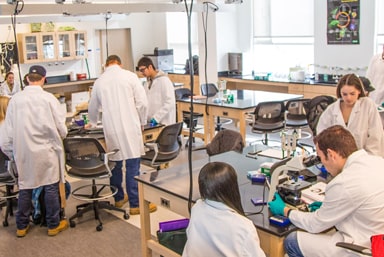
224	75
306	82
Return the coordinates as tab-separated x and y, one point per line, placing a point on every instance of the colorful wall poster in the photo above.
343	22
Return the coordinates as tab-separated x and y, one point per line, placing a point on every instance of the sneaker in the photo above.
120	204
63	225
136	210
22	232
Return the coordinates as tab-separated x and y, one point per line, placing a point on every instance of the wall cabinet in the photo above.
52	46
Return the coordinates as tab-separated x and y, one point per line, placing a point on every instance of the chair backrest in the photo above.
8	171
270	112
315	107
3	162
182	93
209	89
295	109
224	141
84	153
169	140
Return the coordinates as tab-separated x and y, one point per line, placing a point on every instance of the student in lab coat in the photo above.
160	92
356	112
35	127
9	87
353	202
121	98
218	226
4	100
375	73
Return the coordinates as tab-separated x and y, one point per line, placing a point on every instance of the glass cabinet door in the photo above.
64	49
80	44
48	43
31	46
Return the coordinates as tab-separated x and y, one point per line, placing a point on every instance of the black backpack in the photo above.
315	107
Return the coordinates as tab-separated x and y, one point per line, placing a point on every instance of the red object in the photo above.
81	76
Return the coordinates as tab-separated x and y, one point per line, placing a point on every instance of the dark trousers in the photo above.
51	202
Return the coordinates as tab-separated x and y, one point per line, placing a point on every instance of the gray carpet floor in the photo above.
118	238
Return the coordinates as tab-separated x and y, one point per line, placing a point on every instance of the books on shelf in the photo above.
315	193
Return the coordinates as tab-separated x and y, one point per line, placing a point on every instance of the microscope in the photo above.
285	178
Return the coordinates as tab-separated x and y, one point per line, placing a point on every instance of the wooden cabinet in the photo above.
52	46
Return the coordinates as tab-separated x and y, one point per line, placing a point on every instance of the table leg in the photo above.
145	222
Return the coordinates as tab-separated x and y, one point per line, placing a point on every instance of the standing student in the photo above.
160	92
4	100
9	87
218	226
35	128
121	98
375	73
353	202
356	112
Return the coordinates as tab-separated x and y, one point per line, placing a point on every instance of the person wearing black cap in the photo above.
34	130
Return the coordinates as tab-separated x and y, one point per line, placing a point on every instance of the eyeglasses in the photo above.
142	69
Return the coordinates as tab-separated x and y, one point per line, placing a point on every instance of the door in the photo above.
118	42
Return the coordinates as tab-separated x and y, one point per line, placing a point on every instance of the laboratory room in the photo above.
191	128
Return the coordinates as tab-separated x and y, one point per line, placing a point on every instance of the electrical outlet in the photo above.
165	202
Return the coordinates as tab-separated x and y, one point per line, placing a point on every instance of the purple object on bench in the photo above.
173	225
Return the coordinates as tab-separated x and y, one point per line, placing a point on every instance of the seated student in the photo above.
353	202
9	87
218	226
356	112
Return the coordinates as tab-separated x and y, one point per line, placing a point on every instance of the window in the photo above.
177	36
283	35
380	26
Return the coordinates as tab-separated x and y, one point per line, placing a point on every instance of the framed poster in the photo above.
343	22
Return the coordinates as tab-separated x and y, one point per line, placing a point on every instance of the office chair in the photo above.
210	90
8	178
88	160
185	93
165	148
269	117
224	141
296	119
314	108
376	248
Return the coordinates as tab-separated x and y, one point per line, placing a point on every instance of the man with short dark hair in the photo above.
121	98
353	202
35	128
160	92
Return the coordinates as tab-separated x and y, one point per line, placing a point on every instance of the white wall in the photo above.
345	56
148	32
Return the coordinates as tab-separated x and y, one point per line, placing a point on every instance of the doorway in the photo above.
118	43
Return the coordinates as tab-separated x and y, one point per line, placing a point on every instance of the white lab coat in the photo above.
35	127
119	94
364	124
375	73
217	230
161	99
4	89
353	204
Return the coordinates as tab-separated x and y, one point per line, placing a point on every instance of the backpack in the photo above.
315	107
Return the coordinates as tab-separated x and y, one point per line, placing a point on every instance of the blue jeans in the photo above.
52	206
291	245
132	169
